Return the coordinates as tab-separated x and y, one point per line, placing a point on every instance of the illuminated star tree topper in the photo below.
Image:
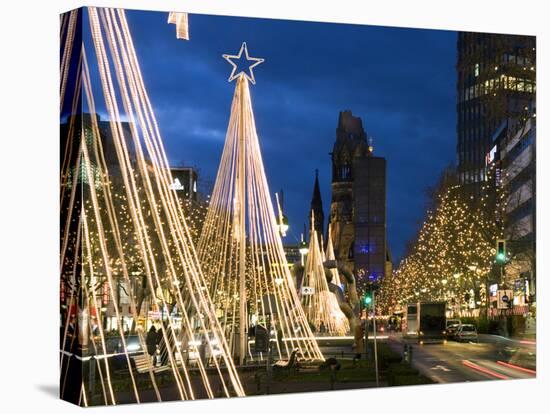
242	65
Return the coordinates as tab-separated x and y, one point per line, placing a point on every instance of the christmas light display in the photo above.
329	255
123	229
455	251
240	249
321	306
181	20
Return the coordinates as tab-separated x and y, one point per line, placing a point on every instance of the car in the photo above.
466	332
200	346
450	332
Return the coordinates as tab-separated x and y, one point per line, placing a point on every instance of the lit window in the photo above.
476	70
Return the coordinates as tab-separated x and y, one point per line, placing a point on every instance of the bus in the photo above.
426	321
432	322
411	321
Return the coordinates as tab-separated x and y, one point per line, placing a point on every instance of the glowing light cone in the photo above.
240	249
124	240
322	305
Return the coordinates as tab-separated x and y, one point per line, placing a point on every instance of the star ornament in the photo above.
242	65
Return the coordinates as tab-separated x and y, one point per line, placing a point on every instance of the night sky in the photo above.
401	82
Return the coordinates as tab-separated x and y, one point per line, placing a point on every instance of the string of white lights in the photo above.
67	52
330	256
321	305
162	241
240	244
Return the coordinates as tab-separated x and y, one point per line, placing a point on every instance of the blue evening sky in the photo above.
401	82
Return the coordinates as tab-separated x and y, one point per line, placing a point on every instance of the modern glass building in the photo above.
496	81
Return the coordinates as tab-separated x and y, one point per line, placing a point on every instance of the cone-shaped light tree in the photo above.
123	233
240	249
329	255
321	305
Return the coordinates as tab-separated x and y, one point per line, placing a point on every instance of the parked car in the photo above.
450	332
466	332
199	348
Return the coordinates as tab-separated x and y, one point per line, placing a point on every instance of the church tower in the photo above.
351	143
357	218
317	209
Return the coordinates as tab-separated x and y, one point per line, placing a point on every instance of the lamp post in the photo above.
303	249
282	223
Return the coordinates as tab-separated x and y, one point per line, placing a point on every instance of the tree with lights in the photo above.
454	254
121	225
321	304
240	248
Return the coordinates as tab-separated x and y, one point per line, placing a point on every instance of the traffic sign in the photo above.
504	297
307	290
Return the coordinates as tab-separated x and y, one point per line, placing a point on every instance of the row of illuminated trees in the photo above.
453	256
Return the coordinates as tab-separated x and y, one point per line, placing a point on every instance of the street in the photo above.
492	357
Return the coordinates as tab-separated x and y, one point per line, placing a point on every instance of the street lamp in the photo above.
303	249
283	225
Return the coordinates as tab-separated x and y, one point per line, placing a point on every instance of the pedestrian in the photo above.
202	349
322	328
151	342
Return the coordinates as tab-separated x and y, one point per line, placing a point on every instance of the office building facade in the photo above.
495	81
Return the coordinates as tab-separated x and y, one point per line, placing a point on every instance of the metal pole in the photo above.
242	236
374	337
269	356
487	298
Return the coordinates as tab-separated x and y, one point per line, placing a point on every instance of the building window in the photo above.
476	70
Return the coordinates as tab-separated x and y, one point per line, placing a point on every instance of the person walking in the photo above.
151	343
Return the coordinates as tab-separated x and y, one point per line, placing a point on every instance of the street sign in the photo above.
504	296
307	290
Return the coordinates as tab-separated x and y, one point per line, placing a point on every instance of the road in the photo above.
492	357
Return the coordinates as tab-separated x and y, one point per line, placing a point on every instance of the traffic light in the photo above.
367	299
501	251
